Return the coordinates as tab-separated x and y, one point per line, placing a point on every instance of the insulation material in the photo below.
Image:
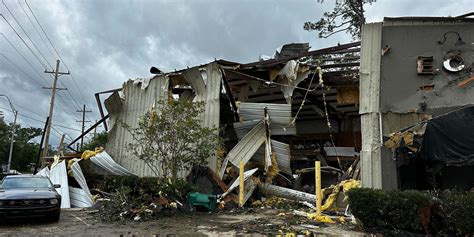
282	152
246	148
291	85
58	175
289	71
105	161
348	95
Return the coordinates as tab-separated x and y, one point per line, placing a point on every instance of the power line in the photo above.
22	40
36	29
42	121
57	52
21	27
19	68
22	56
37	58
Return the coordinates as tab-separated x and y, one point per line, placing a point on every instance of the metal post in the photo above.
11	142
317	173
15	113
241	184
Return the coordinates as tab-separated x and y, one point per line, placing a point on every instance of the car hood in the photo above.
10	194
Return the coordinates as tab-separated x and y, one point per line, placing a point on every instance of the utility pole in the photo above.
83	121
51	107
15	113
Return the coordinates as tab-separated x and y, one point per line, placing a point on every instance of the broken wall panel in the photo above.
246	148
136	103
282	152
371	162
207	90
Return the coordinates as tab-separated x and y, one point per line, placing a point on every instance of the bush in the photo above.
135	198
413	211
459	209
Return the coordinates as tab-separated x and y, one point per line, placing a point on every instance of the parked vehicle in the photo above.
29	196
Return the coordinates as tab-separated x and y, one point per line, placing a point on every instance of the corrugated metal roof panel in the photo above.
58	175
246	148
242	128
278	113
79	198
79	176
106	162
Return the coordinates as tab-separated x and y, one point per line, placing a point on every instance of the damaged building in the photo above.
300	106
333	104
414	72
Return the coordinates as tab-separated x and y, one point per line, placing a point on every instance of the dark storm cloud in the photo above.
106	42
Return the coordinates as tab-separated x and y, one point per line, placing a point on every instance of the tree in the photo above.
347	15
99	140
24	151
172	139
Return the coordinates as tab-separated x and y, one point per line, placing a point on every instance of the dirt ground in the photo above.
254	222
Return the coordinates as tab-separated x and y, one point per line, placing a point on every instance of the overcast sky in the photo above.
106	42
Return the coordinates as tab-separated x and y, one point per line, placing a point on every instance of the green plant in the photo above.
414	211
139	198
171	139
459	209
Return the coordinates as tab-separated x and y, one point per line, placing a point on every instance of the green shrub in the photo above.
414	211
459	209
143	197
368	206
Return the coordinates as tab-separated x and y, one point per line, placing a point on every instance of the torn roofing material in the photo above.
58	175
449	138
246	148
106	162
278	113
282	152
242	128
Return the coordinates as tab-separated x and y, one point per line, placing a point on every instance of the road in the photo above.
76	222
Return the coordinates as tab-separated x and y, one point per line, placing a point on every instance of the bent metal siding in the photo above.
138	99
136	102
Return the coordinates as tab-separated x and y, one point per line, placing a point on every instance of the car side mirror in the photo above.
56	185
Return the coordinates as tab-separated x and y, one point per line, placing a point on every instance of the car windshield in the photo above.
26	182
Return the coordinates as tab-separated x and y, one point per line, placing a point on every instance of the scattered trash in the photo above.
199	201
